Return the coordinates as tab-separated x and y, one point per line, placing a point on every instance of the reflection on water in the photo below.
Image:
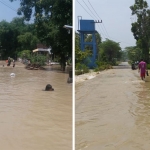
33	119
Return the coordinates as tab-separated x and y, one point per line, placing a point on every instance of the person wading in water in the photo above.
49	88
142	68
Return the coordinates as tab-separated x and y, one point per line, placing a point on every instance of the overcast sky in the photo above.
115	15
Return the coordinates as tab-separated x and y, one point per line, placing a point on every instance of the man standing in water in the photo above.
142	68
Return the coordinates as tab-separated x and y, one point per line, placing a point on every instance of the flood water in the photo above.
113	112
33	119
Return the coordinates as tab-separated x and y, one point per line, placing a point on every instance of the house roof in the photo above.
42	50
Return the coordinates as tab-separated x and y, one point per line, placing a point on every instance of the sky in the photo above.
8	10
115	15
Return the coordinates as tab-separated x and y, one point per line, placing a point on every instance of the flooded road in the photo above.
113	111
33	119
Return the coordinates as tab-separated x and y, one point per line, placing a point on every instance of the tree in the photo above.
8	39
28	40
16	36
134	53
88	38
109	50
50	16
124	55
80	56
97	36
141	28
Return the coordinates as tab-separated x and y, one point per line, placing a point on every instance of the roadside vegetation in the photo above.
109	54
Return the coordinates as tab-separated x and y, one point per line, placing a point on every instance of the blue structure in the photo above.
88	27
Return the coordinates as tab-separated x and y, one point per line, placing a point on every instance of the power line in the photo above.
101	32
89	8
8	6
104	26
94	9
99	17
84	9
88	12
95	16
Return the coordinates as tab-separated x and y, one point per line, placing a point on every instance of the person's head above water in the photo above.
49	88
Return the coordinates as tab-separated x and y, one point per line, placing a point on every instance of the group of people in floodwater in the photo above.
48	86
142	68
9	61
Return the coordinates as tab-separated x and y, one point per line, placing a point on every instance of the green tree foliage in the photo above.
134	53
49	17
98	41
8	38
97	36
140	28
80	56
35	59
109	51
124	55
28	40
24	54
38	59
16	36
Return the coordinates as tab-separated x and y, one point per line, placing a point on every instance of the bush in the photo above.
24	54
81	69
102	66
38	59
114	62
148	66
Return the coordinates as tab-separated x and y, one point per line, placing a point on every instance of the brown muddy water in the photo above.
113	112
33	119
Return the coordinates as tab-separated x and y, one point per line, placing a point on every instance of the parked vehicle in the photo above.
133	66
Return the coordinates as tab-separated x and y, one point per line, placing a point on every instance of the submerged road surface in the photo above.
113	111
30	118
